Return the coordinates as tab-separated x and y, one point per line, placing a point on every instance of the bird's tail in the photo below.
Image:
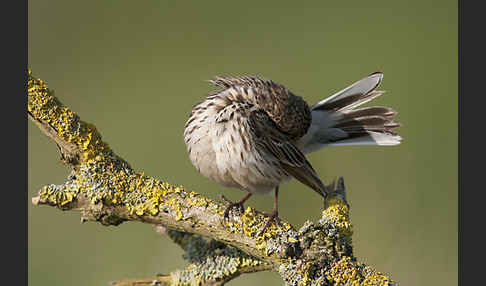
337	121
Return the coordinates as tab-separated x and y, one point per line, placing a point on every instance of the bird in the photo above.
253	134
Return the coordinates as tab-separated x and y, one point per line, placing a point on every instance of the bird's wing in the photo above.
277	144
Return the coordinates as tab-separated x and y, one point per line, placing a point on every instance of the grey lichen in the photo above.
209	260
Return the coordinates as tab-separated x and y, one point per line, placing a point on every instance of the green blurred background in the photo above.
135	68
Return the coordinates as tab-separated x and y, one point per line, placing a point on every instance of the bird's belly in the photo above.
239	164
199	144
225	153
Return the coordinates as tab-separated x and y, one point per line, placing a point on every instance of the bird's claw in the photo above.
272	217
231	205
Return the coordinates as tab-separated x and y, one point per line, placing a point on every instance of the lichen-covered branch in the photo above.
107	190
206	257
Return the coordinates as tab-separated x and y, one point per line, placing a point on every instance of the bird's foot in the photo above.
272	217
231	205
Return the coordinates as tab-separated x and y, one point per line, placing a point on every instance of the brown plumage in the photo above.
289	112
253	133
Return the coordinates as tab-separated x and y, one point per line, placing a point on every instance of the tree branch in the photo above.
107	190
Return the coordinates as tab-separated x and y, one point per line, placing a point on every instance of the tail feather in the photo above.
370	111
362	87
336	121
349	102
367	121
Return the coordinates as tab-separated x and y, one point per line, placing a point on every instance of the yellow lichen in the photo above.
251	225
304	270
249	262
58	196
194	199
42	105
347	272
250	222
338	213
376	279
176	207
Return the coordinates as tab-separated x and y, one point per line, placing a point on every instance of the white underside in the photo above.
227	162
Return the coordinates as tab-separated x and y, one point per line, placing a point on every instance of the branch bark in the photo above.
107	190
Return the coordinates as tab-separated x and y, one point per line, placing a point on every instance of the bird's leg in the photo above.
274	215
234	204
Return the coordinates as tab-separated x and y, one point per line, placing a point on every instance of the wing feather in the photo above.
278	144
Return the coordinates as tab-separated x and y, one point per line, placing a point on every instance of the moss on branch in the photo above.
106	189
